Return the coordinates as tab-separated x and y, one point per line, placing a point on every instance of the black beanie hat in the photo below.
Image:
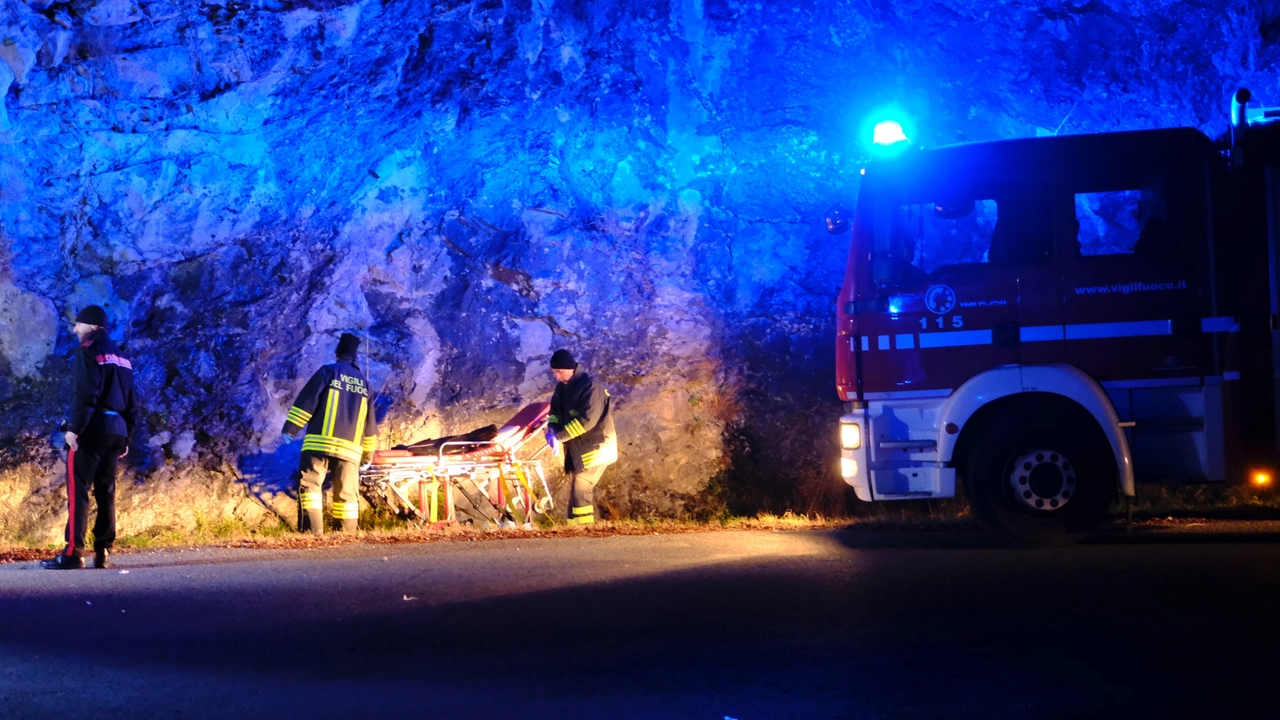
562	360
347	345
92	315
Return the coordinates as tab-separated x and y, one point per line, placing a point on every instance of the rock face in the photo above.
472	185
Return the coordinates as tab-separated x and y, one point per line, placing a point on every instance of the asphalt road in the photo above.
746	625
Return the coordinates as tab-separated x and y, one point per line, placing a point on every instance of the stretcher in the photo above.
486	477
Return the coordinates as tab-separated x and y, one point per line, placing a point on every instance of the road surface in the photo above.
738	624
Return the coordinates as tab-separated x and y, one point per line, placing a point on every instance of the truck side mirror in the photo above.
837	221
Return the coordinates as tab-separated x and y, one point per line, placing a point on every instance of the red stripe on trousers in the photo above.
71	501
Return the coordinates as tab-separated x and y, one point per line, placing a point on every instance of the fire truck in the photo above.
1050	321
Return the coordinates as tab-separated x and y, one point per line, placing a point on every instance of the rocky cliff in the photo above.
471	185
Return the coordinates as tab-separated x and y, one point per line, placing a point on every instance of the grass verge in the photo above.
1173	505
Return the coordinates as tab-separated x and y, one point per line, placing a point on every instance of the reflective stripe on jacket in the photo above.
334	409
583	421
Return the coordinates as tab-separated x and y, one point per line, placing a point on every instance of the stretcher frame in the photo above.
515	488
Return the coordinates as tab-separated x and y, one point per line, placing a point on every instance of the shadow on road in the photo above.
1175	536
967	538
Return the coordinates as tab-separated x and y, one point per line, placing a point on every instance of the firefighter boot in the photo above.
311	503
315	522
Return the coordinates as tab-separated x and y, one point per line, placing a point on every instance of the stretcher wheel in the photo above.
544	505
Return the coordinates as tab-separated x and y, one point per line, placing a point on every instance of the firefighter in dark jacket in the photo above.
581	421
98	428
342	432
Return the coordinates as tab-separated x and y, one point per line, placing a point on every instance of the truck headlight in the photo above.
850	436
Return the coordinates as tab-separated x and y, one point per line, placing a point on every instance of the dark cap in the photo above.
347	345
92	315
562	360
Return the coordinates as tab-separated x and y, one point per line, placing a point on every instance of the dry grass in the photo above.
205	533
1207	501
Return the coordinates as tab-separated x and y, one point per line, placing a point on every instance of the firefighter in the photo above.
341	431
98	428
581	422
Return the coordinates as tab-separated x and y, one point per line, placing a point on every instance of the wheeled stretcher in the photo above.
489	475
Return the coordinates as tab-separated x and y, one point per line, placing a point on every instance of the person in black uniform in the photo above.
581	421
97	435
334	408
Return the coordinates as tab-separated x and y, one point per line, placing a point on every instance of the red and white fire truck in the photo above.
1051	320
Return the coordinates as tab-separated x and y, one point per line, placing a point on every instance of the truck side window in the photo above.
1123	222
951	238
928	235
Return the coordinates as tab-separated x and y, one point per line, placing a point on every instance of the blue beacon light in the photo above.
888	133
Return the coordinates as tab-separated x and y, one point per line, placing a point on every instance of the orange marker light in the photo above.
1261	478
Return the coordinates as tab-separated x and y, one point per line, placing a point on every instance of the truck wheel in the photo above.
1041	484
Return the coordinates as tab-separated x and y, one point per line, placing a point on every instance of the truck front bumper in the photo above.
896	456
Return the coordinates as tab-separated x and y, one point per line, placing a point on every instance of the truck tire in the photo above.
1041	475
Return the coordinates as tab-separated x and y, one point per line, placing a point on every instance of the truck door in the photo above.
967	285
945	309
1132	320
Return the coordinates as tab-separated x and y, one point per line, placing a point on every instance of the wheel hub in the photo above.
1043	480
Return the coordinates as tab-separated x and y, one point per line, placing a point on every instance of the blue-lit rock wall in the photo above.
475	184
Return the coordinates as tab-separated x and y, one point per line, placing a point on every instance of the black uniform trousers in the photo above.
92	466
